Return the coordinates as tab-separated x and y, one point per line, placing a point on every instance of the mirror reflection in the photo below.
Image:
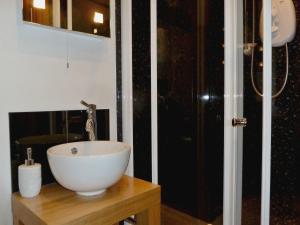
87	16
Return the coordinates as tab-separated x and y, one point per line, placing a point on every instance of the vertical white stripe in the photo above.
229	144
267	112
154	121
239	104
127	104
233	107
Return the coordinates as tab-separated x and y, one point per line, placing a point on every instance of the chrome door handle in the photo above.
239	122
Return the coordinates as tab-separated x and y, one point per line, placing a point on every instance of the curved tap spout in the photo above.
91	123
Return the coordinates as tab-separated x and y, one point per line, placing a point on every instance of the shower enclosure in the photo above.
222	153
261	160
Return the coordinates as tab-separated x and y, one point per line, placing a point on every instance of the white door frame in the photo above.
233	108
233	101
127	97
267	112
127	101
233	94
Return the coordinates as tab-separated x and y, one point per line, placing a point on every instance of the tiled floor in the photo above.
173	217
250	215
281	213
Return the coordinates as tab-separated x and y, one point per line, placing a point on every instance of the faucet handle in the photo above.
89	106
84	103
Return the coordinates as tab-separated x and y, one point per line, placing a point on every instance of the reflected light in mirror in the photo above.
205	97
40	4
98	17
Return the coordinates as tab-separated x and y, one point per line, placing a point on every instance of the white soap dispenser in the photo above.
30	177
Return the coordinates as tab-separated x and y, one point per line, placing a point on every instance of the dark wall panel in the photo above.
190	102
119	70
285	178
190	110
141	88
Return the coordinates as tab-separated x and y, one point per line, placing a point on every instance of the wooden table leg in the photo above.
151	216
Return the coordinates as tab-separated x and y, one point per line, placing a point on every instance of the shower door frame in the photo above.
233	108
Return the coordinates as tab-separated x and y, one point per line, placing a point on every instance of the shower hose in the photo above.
252	62
285	79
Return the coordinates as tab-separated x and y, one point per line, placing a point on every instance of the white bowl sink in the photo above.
88	168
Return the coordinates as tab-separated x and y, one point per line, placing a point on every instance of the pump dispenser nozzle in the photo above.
29	161
29	176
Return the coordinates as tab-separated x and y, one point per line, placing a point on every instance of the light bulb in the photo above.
39	4
98	17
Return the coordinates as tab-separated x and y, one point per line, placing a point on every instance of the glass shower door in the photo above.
247	133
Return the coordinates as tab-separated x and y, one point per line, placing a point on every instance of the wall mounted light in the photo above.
98	17
39	4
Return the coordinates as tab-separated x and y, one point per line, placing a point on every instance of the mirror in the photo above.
86	16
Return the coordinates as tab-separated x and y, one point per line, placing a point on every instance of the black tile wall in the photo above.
285	166
252	137
118	5
141	88
285	179
42	130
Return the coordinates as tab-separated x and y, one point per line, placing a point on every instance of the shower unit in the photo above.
283	31
215	117
261	181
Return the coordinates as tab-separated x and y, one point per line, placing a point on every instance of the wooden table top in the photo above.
56	205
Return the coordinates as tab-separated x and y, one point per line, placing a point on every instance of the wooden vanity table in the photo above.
58	206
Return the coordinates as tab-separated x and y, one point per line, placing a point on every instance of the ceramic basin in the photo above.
88	168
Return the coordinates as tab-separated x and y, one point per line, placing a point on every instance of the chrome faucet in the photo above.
91	123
